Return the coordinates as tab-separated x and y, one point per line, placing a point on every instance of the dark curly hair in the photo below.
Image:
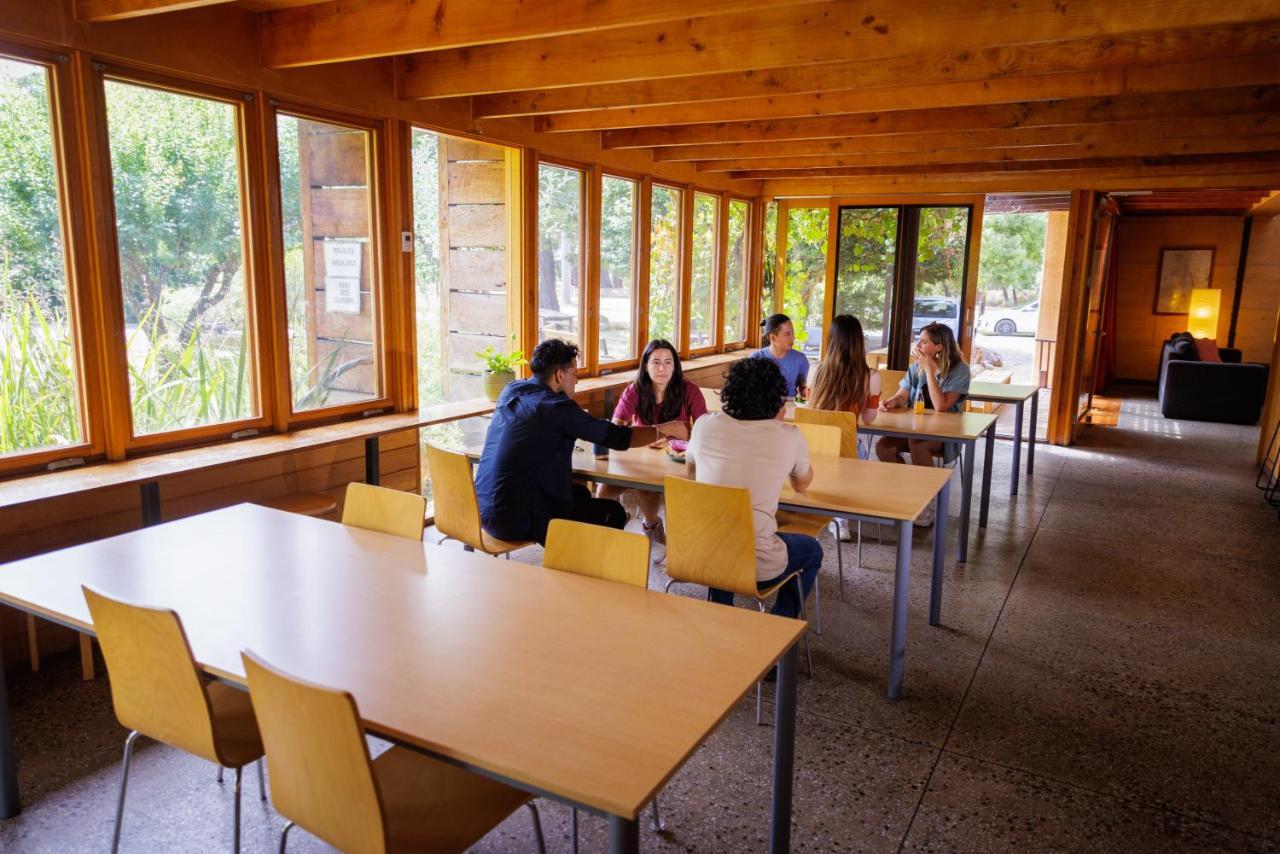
552	355
754	390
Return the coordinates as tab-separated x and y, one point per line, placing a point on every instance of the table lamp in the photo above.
1202	317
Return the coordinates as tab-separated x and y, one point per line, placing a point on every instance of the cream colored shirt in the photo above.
757	456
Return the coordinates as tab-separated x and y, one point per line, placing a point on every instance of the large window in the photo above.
39	403
330	261
175	175
806	277
560	267
735	282
866	269
702	294
664	263
618	197
769	283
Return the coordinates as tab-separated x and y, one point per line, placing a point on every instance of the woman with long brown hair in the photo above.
843	382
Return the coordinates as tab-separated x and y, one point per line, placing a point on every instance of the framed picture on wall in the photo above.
1181	269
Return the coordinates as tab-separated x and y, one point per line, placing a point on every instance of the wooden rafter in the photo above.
98	11
951	65
826	32
1076	111
1206	74
955	184
359	29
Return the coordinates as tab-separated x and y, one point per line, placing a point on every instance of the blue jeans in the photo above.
803	554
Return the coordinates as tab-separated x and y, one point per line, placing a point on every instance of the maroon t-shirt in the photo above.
694	407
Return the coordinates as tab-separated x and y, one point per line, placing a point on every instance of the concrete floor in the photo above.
1107	678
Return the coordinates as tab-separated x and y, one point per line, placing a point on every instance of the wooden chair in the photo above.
317	504
825	434
605	553
157	691
711	541
457	511
323	779
389	511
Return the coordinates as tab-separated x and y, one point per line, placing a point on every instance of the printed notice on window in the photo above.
341	295
342	258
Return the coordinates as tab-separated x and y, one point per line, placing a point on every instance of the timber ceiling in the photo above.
859	95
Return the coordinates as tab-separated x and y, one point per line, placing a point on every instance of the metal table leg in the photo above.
1017	447
784	749
966	499
898	634
150	503
9	806
371	454
1031	440
624	835
939	555
986	476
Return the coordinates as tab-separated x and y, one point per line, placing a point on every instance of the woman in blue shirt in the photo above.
781	336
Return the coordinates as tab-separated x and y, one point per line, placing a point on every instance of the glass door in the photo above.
866	270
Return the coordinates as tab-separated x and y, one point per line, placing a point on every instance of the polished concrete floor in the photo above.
1106	678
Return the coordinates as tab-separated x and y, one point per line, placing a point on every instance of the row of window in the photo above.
219	311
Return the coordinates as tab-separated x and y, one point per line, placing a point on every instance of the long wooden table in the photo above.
1018	396
856	490
559	684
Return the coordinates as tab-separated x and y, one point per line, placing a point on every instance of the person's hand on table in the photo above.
673	430
890	403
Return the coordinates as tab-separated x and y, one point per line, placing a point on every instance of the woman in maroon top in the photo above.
660	397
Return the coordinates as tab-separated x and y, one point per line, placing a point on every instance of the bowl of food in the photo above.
676	449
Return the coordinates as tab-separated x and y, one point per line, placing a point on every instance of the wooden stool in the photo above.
303	503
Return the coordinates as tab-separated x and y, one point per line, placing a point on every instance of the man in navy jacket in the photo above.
525	477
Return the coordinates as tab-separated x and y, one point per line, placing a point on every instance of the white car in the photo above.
1011	321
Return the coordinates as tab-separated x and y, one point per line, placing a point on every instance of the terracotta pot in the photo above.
495	382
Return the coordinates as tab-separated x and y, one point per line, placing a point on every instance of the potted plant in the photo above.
500	369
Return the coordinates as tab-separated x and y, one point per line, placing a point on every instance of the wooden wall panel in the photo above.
338	159
478	269
477	225
1255	329
476	181
340	212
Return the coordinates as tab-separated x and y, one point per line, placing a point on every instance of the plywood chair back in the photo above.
457	512
823	439
389	511
889	382
845	422
155	685
321	773
710	536
597	551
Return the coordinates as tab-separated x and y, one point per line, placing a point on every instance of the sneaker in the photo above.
657	534
846	533
925	519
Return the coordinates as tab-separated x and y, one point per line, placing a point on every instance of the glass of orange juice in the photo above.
918	406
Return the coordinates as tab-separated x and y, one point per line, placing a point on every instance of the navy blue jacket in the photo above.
525	477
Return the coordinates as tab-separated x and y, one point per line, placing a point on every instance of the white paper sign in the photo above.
341	295
342	258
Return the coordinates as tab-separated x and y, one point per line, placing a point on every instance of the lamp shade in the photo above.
1202	317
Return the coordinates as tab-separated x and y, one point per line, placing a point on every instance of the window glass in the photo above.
559	252
866	270
617	268
39	405
768	287
806	279
175	175
664	263
702	298
329	261
735	284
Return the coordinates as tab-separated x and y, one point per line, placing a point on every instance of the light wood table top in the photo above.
840	485
957	426
554	681
1000	392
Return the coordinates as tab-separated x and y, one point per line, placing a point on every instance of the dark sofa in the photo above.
1230	391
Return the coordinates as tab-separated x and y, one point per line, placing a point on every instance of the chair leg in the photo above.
537	827
817	600
840	561
657	817
857	564
284	836
235	837
759	691
124	784
33	644
573	828
262	779
807	654
220	775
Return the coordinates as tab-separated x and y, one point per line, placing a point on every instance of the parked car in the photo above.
1011	321
944	310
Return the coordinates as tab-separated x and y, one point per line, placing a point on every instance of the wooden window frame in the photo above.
682	263
65	126
637	343
123	438
380	265
748	234
586	253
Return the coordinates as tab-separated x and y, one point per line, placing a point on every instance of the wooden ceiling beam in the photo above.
956	185
361	29
1109	133
950	65
1146	148
1207	74
99	11
818	33
1076	111
1269	206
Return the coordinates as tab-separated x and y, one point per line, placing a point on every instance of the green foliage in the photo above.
736	271
702	287
806	269
664	262
498	363
940	252
1012	257
769	286
865	268
37	375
